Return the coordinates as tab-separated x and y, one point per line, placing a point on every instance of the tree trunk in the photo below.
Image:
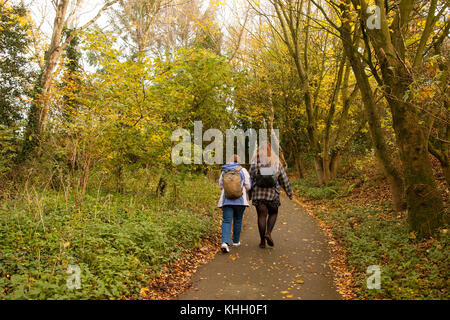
119	174
424	202
329	121
326	170
425	205
440	151
39	110
446	172
290	26
318	166
271	119
85	176
334	161
298	164
379	143
51	60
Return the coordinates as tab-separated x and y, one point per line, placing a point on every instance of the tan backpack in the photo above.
232	183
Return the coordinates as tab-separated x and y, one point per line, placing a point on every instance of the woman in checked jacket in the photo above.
267	199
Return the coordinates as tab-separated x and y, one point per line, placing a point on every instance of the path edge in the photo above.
343	279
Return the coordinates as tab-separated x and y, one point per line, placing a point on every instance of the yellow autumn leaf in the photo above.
144	292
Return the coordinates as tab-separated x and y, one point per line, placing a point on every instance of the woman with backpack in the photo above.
267	175
234	182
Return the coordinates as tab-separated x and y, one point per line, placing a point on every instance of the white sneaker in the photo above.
225	247
237	244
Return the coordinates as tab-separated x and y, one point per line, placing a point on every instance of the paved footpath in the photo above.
295	268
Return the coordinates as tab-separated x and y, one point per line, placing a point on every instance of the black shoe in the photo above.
262	244
269	239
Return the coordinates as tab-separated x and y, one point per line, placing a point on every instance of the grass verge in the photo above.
118	241
372	234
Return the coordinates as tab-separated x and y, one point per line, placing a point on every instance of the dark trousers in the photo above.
267	216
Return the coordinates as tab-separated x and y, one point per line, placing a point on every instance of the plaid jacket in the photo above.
259	193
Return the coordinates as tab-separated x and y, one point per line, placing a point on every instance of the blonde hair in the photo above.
262	156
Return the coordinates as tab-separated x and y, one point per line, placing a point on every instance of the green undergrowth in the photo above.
310	189
118	241
372	234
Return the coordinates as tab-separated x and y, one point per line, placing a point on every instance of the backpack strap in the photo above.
238	169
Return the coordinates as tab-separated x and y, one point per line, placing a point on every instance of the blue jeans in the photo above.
232	213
